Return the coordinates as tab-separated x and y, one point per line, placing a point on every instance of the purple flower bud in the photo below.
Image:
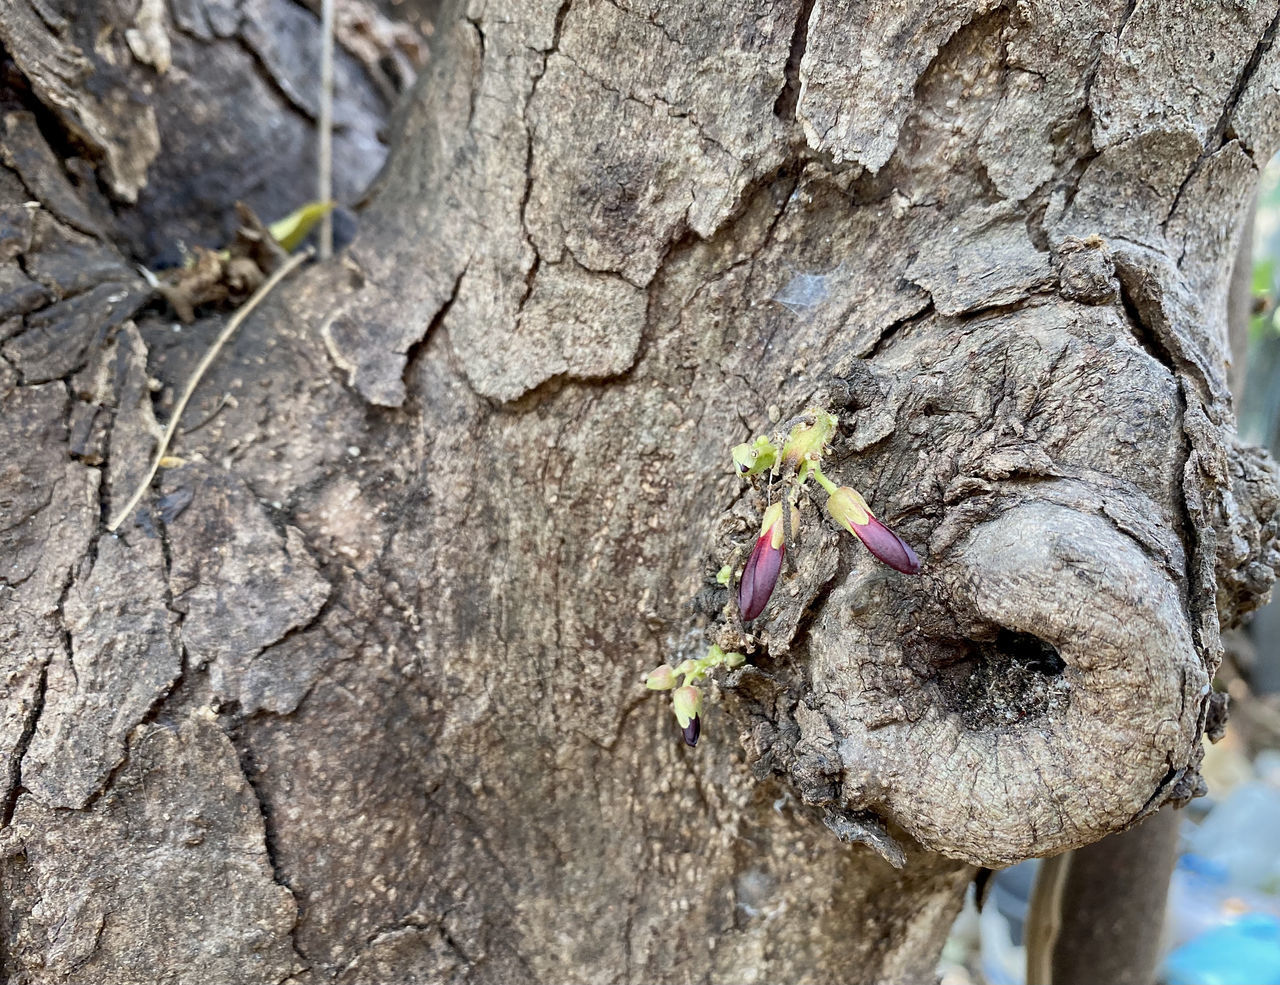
889	547
759	577
692	731
763	566
850	510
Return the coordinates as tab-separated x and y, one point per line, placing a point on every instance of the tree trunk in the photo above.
353	696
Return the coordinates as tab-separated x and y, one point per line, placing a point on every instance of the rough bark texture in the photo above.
353	696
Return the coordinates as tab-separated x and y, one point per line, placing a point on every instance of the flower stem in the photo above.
823	481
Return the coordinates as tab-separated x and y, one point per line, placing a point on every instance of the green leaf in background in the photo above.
293	228
1263	271
1263	320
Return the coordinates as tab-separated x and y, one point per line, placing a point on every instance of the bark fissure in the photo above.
269	845
15	788
886	335
561	13
789	97
268	78
415	350
1147	336
475	85
1218	136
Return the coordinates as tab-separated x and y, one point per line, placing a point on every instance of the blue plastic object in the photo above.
1246	952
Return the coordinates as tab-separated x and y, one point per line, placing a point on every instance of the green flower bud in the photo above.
686	702
661	679
754	457
807	441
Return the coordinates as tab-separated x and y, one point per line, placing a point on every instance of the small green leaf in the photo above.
290	231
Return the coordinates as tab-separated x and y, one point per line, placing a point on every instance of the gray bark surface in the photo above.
353	696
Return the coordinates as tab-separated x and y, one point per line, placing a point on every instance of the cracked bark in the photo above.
372	705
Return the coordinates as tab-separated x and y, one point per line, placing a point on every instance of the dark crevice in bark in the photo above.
150	717
104	497
1171	776
1130	7
1218	136
1036	205
415	350
20	751
885	338
1028	300
166	554
1066	179
1030	651
1143	333
269	838
63	141
530	276
1081	162
785	106
1245	76
1193	539
866	828
556	30
91	552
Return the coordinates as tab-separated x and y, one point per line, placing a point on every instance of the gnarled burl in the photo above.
354	695
1046	681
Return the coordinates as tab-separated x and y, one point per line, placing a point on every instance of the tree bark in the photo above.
353	696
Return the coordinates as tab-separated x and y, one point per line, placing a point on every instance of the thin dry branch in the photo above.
324	190
233	323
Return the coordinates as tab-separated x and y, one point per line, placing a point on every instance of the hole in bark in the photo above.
1030	651
1009	680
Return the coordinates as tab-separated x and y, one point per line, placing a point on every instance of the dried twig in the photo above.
324	190
228	330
